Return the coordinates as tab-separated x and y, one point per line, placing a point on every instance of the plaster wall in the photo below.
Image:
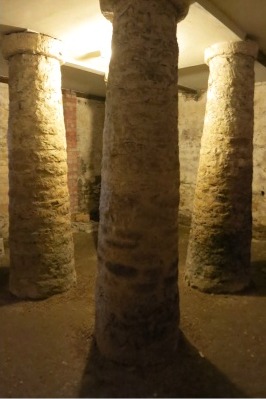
191	110
70	118
90	122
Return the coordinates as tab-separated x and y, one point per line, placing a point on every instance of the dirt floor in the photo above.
47	347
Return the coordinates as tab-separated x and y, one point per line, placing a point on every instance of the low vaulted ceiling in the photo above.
87	34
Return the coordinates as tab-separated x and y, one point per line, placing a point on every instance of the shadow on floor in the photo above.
4	275
258	275
257	286
190	375
6	298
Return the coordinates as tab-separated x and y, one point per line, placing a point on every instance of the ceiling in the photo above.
86	35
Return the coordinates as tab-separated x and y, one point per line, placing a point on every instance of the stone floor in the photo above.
47	347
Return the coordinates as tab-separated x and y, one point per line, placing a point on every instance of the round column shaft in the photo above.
137	312
40	237
218	258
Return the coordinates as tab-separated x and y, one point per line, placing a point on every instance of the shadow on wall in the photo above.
188	375
89	194
94	194
90	123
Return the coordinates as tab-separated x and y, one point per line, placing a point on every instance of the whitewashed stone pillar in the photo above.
137	313
40	237
218	258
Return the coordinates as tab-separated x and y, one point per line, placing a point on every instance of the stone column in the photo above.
40	237
137	312
218	258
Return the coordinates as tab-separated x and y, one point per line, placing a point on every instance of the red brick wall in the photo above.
70	115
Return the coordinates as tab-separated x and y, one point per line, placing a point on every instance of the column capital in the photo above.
32	43
108	7
247	48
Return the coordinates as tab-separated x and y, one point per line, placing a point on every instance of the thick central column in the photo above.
40	237
220	238
137	311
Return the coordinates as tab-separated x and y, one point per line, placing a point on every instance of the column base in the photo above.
153	355
26	289
136	330
228	284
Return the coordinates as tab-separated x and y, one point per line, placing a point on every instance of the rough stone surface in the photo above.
31	43
259	163
137	312
40	237
220	238
84	119
89	118
190	121
4	104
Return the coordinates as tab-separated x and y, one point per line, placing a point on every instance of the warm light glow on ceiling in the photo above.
89	45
